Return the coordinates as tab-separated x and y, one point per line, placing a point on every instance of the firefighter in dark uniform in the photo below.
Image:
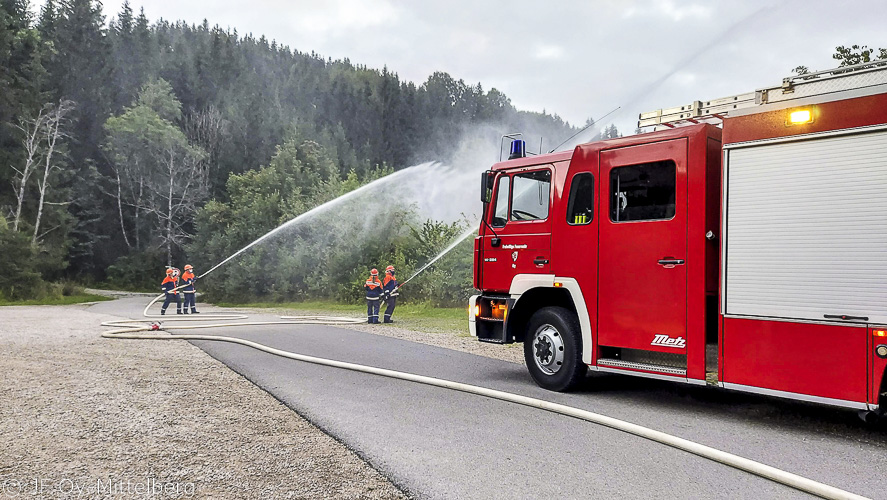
189	292
390	291
176	275
169	288
373	289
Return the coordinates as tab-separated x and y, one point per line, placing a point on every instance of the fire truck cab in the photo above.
742	244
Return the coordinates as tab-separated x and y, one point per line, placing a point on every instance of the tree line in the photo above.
127	145
120	138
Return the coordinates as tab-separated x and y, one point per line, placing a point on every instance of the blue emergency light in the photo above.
518	149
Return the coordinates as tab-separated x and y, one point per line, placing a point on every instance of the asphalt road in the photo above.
437	443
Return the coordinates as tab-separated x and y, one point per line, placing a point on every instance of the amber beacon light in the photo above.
800	117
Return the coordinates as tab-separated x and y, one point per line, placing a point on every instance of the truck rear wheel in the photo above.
553	349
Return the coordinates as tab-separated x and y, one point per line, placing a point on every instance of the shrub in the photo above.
139	271
19	278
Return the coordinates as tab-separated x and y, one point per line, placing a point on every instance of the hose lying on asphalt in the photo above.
129	329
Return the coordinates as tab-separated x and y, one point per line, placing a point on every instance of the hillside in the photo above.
99	116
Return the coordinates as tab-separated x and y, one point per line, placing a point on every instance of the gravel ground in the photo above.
458	341
87	417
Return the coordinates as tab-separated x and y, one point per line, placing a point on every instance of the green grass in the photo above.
63	300
104	285
420	317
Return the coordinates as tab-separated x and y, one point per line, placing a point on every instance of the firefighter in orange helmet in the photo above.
373	289
169	288
189	292
391	291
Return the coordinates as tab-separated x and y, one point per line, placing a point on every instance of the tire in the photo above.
553	349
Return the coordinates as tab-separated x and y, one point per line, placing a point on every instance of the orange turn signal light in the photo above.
879	333
558	284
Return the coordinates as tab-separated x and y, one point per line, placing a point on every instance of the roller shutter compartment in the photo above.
806	228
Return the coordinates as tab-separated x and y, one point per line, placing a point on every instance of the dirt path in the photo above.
86	417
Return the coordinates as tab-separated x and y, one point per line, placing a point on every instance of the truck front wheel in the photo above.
553	349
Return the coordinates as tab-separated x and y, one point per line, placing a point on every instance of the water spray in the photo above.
647	89
591	125
309	214
446	250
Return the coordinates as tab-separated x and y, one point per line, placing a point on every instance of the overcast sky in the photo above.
578	59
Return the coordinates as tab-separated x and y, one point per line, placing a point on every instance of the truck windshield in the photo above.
531	196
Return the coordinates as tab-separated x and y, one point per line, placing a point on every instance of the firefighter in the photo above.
373	289
391	291
190	292
177	274
169	288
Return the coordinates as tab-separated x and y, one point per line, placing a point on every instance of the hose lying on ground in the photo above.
130	329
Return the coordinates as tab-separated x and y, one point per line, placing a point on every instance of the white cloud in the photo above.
339	17
695	11
684	78
548	52
669	10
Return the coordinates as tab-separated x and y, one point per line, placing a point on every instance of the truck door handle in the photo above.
845	317
669	262
540	261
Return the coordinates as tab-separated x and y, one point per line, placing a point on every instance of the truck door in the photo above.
643	247
519	215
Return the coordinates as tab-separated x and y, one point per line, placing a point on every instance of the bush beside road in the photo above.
55	294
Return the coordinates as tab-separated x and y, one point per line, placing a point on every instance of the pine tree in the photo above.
22	79
80	71
124	47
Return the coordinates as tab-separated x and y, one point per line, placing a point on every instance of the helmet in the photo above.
374	272
188	267
168	271
389	268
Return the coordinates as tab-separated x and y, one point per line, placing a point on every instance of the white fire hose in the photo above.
132	329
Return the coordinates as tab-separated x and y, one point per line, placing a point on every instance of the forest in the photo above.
128	145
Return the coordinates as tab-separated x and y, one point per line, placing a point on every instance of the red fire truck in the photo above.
741	243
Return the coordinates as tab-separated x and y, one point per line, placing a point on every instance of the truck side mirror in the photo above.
486	186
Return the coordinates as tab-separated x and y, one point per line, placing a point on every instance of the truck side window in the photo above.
531	196
643	192
500	216
580	209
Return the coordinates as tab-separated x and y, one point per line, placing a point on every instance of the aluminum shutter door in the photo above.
806	228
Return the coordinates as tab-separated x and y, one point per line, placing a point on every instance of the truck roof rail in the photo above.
793	87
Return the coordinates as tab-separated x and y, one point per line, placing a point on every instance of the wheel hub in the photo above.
548	349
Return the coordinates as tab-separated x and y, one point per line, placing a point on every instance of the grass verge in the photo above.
419	317
63	300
